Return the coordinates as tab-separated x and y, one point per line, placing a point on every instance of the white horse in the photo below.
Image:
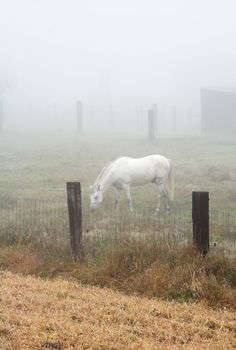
125	172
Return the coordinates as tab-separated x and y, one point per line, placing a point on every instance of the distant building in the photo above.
218	111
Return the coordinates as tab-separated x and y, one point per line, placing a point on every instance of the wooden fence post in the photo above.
151	126
200	219
79	116
75	217
155	117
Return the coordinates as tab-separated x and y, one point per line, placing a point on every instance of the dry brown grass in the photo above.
38	314
136	268
172	273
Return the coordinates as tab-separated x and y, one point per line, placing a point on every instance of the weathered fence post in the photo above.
75	217
79	116
200	219
155	117
151	126
163	116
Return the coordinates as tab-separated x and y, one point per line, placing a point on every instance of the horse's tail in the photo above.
171	185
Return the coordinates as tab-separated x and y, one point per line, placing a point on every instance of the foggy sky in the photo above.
116	51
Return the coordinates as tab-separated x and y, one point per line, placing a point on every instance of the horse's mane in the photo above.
104	171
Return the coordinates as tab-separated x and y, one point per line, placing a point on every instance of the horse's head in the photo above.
96	197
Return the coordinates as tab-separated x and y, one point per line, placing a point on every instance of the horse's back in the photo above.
155	162
138	171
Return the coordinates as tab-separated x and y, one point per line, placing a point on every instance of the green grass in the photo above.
39	165
136	256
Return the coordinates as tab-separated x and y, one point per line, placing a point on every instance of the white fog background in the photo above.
112	55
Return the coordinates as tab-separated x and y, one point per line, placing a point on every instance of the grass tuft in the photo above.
139	268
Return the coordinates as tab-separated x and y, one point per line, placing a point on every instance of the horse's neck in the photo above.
106	180
97	181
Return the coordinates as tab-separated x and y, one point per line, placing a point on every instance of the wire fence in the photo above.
45	223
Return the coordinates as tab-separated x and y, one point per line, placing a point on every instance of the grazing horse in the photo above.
125	172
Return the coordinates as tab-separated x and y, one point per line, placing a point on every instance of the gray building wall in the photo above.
218	111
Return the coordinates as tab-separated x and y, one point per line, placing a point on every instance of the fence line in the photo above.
45	222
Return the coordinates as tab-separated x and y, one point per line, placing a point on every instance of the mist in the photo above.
120	56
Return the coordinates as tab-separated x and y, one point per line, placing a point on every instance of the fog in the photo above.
117	57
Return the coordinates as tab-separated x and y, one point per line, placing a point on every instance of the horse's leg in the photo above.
117	196
128	195
159	197
158	201
165	195
168	201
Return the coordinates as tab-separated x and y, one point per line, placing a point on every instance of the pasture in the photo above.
38	165
33	175
35	168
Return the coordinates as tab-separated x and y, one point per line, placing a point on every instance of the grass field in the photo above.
39	165
39	314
